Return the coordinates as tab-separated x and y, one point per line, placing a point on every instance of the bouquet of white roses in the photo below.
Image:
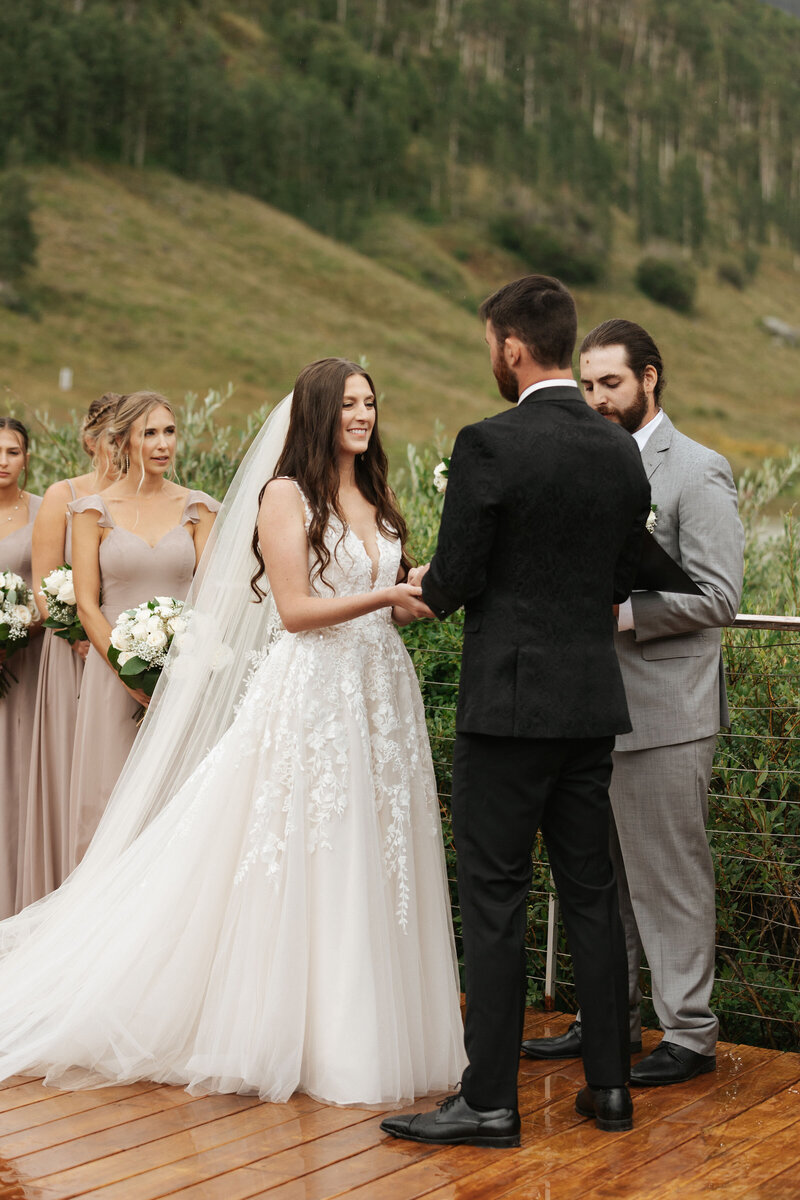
62	609
17	613
141	638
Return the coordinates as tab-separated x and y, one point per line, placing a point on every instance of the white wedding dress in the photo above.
283	922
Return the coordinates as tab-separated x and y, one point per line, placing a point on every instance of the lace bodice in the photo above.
349	573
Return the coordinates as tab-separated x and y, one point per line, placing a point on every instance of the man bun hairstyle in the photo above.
640	349
540	311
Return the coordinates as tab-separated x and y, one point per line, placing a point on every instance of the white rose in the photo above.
176	625
4	618
124	657
119	638
440	477
157	639
139	631
167	601
650	523
66	593
154	624
52	581
22	614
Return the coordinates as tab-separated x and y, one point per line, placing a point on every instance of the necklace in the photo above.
15	508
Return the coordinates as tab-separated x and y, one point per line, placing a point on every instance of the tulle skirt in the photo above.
283	924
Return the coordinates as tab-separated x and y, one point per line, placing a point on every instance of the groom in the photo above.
540	535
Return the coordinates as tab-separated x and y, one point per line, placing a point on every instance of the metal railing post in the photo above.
551	965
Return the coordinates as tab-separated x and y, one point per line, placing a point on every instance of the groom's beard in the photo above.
506	381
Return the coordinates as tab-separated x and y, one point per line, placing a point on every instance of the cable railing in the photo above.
753	829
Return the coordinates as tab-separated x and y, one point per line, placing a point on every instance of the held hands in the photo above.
405	598
417	574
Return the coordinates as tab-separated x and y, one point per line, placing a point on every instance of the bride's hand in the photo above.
406	597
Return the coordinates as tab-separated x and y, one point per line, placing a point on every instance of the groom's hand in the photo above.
417	574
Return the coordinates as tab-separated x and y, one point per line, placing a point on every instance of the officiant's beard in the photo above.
629	418
507	383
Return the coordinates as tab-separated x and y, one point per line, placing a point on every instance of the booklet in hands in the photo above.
660	573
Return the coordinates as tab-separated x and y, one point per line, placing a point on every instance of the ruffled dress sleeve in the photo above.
94	504
193	502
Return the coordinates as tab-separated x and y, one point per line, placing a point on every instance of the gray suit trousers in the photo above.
665	878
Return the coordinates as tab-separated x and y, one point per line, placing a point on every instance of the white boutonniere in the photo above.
440	475
650	523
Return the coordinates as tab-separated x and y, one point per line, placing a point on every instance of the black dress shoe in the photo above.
566	1046
671	1064
455	1123
612	1108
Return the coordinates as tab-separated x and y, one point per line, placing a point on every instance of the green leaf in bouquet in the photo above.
112	654
151	678
134	666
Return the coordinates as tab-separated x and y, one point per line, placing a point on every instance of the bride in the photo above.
264	906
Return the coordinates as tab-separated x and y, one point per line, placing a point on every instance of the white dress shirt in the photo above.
543	383
641	437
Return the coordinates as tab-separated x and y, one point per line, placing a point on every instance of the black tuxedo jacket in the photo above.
541	534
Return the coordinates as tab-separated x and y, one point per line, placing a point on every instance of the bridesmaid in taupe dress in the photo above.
44	863
141	538
17	511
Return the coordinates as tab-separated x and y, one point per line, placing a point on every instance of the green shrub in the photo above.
667	282
18	240
567	255
732	273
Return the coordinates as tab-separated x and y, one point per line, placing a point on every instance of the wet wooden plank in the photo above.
561	1148
55	1105
677	1124
277	1125
741	1154
130	1135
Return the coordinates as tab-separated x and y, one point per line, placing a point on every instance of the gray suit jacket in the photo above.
671	661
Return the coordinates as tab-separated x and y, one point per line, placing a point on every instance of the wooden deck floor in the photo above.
734	1135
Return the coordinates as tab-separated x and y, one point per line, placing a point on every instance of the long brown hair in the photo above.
310	455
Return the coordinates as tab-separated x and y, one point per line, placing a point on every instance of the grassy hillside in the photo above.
145	280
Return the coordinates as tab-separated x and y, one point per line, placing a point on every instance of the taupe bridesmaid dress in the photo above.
44	863
131	572
16	723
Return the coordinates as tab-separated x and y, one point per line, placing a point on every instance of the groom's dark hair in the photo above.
540	311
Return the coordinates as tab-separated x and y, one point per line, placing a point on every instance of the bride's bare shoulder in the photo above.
282	494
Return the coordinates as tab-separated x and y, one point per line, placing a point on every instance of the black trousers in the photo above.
504	789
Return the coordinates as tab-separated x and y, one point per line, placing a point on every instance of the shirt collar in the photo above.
546	383
642	436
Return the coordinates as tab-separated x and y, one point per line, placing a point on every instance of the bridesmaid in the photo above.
142	537
44	863
17	511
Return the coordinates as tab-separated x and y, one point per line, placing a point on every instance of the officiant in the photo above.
668	644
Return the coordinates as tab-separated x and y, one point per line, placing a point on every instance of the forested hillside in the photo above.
681	114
